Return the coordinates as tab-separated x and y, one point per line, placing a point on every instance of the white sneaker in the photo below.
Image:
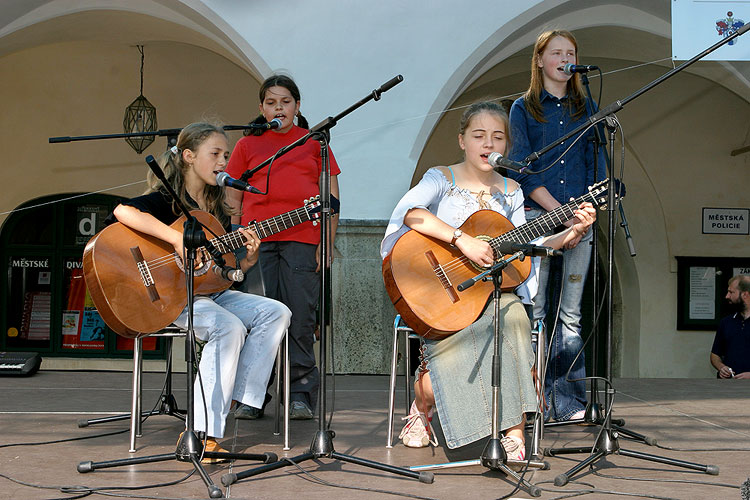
515	450
415	433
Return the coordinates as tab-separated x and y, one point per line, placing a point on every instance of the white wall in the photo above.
65	72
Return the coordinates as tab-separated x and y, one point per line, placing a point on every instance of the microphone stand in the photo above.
493	455
189	447
607	440
322	443
170	133
593	414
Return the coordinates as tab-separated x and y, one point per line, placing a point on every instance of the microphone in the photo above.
499	161
229	273
508	247
273	124
569	69
223	179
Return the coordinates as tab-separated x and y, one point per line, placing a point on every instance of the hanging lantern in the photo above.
140	116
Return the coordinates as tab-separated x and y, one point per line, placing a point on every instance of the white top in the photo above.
453	205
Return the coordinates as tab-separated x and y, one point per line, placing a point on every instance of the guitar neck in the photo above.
230	242
544	223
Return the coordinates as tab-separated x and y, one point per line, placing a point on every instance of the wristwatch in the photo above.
456	235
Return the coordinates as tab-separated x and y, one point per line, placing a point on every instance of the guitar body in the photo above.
113	278
428	299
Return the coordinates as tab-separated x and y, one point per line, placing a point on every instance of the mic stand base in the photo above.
493	455
189	447
322	447
322	443
608	444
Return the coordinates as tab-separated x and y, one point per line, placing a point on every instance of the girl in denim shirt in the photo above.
553	105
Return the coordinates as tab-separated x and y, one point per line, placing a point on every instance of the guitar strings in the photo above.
233	240
547	220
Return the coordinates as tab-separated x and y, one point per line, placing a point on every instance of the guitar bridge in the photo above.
145	274
440	273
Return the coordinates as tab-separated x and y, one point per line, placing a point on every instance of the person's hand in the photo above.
476	250
743	376
252	244
725	372
201	255
585	215
317	258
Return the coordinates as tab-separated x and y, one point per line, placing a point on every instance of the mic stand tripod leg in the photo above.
493	455
322	442
189	448
607	441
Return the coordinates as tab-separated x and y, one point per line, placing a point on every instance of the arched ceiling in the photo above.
26	24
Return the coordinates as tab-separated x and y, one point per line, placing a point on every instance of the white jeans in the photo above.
242	332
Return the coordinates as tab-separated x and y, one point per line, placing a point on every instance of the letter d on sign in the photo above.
87	225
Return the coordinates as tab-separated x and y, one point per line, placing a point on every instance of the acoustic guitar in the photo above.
421	273
137	282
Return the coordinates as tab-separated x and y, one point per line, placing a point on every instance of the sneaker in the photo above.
515	450
418	431
247	412
299	410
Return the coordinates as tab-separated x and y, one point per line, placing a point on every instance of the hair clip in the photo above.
175	151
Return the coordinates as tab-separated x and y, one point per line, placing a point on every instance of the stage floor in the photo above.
677	413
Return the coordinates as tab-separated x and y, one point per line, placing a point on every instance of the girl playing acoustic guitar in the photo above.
241	331
455	373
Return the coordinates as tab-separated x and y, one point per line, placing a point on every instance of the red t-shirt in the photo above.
293	179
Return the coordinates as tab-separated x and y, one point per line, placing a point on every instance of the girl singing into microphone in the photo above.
242	331
455	374
290	260
554	105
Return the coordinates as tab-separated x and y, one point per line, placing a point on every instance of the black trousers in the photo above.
289	275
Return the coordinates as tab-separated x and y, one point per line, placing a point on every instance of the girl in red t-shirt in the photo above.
290	259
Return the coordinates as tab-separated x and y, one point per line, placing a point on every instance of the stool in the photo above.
399	327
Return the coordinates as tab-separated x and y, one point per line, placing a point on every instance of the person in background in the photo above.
289	260
730	353
553	105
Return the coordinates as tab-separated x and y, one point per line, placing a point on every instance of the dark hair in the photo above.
577	103
276	81
743	282
174	166
486	107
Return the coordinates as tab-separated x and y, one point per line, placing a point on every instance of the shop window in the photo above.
45	304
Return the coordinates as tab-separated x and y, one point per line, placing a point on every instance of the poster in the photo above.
702	298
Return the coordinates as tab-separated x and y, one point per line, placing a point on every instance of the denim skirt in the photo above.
460	369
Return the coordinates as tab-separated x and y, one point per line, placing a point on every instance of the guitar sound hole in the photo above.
481	269
199	271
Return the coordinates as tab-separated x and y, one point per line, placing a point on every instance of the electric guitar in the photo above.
421	273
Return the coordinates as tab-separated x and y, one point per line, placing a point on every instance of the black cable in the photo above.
686	481
311	477
82	491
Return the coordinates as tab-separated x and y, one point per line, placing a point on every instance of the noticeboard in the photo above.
702	287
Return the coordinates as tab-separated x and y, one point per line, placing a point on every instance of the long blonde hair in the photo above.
576	100
174	167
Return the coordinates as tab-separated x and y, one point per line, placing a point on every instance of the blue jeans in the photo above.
242	332
566	283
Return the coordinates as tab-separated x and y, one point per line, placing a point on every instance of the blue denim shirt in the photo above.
572	174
